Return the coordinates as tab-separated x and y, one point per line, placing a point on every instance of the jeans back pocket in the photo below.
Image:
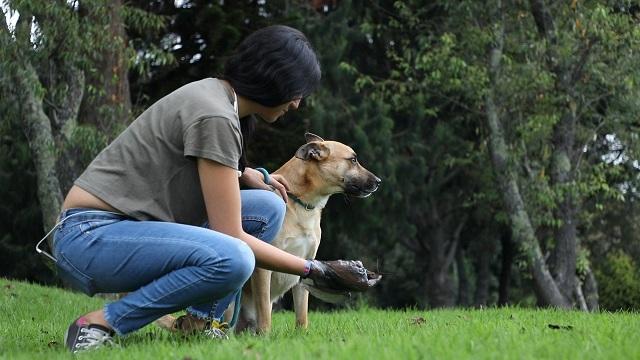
73	277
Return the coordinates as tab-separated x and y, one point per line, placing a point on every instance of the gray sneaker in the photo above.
83	336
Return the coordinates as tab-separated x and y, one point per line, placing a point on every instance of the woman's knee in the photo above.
223	257
239	264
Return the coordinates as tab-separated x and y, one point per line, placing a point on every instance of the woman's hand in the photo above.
333	281
254	179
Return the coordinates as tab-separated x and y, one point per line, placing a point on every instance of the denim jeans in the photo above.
164	266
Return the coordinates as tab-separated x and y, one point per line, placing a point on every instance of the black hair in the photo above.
271	67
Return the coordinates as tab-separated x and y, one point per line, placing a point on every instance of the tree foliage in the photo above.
406	84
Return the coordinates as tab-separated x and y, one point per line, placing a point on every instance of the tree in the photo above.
572	84
43	61
549	83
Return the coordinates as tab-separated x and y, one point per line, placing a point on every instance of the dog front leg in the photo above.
261	288
301	305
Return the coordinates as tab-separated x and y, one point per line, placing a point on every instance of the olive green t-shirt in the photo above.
149	172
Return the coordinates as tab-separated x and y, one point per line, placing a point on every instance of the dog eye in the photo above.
354	160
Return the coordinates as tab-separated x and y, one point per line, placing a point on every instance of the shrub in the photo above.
619	282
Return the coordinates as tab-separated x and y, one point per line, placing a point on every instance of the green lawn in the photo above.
34	318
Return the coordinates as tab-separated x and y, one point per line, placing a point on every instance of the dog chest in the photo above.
302	245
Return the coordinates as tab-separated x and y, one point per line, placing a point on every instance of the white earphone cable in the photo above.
50	256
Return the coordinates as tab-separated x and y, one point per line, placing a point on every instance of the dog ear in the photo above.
312	137
312	151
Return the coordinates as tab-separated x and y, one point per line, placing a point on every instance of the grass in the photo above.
33	319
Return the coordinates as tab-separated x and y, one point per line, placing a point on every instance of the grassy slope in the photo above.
33	320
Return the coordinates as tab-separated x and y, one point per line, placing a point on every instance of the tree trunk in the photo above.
483	277
108	106
64	116
442	245
439	286
485	251
438	280
41	142
463	279
562	175
590	290
505	271
565	251
522	230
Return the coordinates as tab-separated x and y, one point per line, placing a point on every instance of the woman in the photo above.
133	221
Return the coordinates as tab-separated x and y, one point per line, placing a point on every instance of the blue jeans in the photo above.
164	266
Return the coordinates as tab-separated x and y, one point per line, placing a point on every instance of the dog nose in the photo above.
378	181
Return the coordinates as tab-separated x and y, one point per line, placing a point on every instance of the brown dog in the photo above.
319	169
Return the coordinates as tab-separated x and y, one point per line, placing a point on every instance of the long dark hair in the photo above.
271	67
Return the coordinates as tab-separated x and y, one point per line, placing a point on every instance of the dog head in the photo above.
336	166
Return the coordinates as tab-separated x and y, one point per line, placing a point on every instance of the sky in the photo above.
11	18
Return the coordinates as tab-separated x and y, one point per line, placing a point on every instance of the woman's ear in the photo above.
312	137
313	151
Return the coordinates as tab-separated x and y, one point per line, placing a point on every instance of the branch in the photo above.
410	244
384	11
580	296
7	57
450	176
495	53
451	100
588	105
546	27
23	30
526	162
4	28
456	239
67	114
584	56
435	214
422	245
589	140
543	20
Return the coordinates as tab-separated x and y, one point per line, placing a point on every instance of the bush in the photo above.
619	283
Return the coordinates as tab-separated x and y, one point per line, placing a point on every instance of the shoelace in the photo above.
216	330
92	337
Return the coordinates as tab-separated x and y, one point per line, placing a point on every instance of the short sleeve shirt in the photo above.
149	172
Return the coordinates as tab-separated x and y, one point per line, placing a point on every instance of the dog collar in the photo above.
306	206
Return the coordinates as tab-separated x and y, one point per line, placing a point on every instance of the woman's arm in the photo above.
222	199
